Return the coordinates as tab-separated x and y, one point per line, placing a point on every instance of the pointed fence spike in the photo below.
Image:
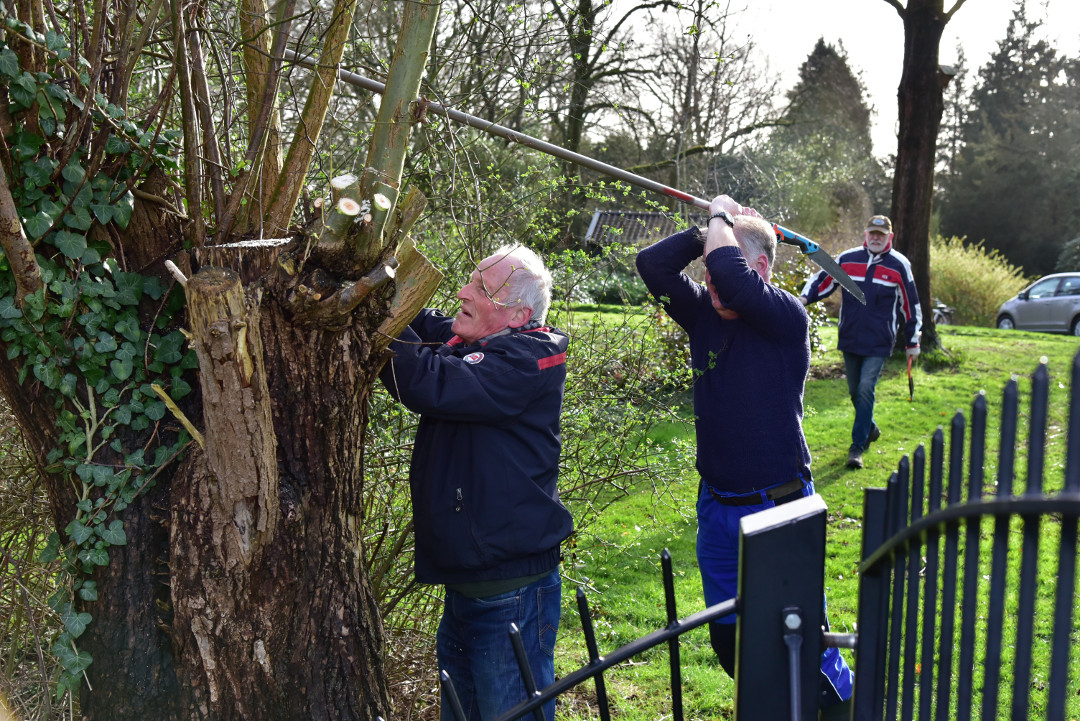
526	670
450	694
594	656
673	644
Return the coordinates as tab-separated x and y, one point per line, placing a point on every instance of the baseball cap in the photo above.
880	223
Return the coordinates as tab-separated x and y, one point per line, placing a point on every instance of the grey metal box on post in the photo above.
781	568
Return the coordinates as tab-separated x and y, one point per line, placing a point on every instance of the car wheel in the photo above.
1076	326
1006	323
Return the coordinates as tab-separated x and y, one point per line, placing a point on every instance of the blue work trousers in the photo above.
862	377
473	647
718	562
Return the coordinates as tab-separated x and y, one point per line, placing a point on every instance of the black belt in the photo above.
784	493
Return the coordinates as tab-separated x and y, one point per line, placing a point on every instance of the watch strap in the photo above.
725	216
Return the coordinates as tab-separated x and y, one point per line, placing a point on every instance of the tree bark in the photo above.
284	628
241	592
921	103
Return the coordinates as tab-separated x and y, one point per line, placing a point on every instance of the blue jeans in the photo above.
862	377
718	562
473	647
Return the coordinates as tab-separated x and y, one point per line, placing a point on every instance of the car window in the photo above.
1069	286
1044	288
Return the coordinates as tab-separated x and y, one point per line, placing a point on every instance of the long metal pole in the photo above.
512	135
783	235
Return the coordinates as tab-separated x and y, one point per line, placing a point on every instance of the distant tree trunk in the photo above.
921	103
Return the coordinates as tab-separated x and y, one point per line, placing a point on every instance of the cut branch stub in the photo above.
381	203
350	297
239	431
345	186
340	219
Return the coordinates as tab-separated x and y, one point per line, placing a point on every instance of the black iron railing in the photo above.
934	613
924	546
784	548
599	664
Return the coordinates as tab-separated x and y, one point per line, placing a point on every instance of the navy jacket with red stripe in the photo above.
486	456
889	285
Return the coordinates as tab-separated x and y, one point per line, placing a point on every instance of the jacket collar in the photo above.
531	325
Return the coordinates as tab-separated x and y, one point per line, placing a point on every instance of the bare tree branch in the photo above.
192	166
201	95
17	248
278	213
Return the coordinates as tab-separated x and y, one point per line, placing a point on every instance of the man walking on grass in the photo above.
867	333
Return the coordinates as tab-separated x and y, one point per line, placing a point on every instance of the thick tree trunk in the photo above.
134	672
283	626
240	592
921	103
200	617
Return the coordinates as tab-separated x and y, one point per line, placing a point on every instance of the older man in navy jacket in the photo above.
488	385
867	333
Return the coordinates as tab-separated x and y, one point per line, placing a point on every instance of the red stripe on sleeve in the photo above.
552	360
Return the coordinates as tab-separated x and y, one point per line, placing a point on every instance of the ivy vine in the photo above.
80	336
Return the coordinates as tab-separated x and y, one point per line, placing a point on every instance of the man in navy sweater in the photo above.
750	351
867	333
488	385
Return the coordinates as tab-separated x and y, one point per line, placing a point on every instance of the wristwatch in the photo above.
726	216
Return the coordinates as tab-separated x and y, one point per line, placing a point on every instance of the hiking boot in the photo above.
854	458
875	433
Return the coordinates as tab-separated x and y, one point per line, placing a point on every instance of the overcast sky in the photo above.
873	36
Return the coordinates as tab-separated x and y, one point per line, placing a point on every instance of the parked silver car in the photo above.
1052	303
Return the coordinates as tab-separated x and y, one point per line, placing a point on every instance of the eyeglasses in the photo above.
491	295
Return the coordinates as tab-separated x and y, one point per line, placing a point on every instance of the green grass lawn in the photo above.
618	561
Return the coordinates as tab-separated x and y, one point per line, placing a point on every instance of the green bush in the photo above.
608	278
973	280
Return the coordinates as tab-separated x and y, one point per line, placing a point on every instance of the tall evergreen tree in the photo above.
1014	182
822	157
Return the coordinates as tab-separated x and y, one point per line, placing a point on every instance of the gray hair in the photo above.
529	282
756	236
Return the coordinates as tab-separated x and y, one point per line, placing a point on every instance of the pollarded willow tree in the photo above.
189	362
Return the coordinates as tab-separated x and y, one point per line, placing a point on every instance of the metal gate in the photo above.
959	616
782	552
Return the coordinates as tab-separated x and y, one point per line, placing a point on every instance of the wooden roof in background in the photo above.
632	227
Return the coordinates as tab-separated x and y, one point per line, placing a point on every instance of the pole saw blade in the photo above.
814	252
831	267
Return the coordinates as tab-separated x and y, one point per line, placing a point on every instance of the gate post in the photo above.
781	566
